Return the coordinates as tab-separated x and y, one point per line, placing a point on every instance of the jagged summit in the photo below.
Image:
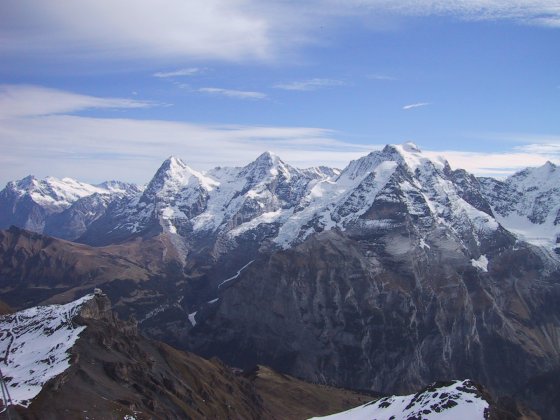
528	204
266	165
173	176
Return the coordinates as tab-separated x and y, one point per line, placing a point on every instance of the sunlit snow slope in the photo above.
454	401
34	346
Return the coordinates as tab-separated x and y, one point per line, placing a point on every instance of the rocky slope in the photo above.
384	314
36	269
86	362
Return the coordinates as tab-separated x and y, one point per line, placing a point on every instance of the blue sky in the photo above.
97	90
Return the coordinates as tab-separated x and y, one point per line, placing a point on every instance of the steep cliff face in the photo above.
379	313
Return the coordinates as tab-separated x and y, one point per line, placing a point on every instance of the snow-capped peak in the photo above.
407	154
265	166
411	147
34	345
174	175
411	155
542	178
53	193
528	204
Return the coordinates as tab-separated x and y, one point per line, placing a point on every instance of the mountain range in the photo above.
387	275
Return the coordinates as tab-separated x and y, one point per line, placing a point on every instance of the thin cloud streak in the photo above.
231	93
190	71
381	77
311	84
416	105
30	100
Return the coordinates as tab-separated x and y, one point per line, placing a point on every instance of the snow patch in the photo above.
192	318
481	263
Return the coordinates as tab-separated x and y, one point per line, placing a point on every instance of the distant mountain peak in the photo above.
266	165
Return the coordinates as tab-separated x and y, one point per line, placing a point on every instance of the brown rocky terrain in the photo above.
40	269
117	372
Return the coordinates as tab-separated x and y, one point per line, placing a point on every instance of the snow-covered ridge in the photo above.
58	194
454	401
34	345
269	200
528	204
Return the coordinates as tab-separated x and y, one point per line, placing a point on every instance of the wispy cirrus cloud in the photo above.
416	105
31	100
189	71
310	84
381	77
532	12
230	30
219	29
232	93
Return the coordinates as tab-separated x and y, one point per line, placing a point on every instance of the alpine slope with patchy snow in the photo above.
34	345
454	401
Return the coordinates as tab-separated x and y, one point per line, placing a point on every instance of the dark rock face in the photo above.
72	222
382	315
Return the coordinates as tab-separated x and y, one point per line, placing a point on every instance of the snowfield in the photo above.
34	345
456	401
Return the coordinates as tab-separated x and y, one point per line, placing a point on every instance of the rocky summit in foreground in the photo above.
453	400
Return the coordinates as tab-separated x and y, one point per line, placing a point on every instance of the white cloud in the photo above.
230	93
190	71
38	131
219	29
29	100
94	149
311	84
416	105
216	29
